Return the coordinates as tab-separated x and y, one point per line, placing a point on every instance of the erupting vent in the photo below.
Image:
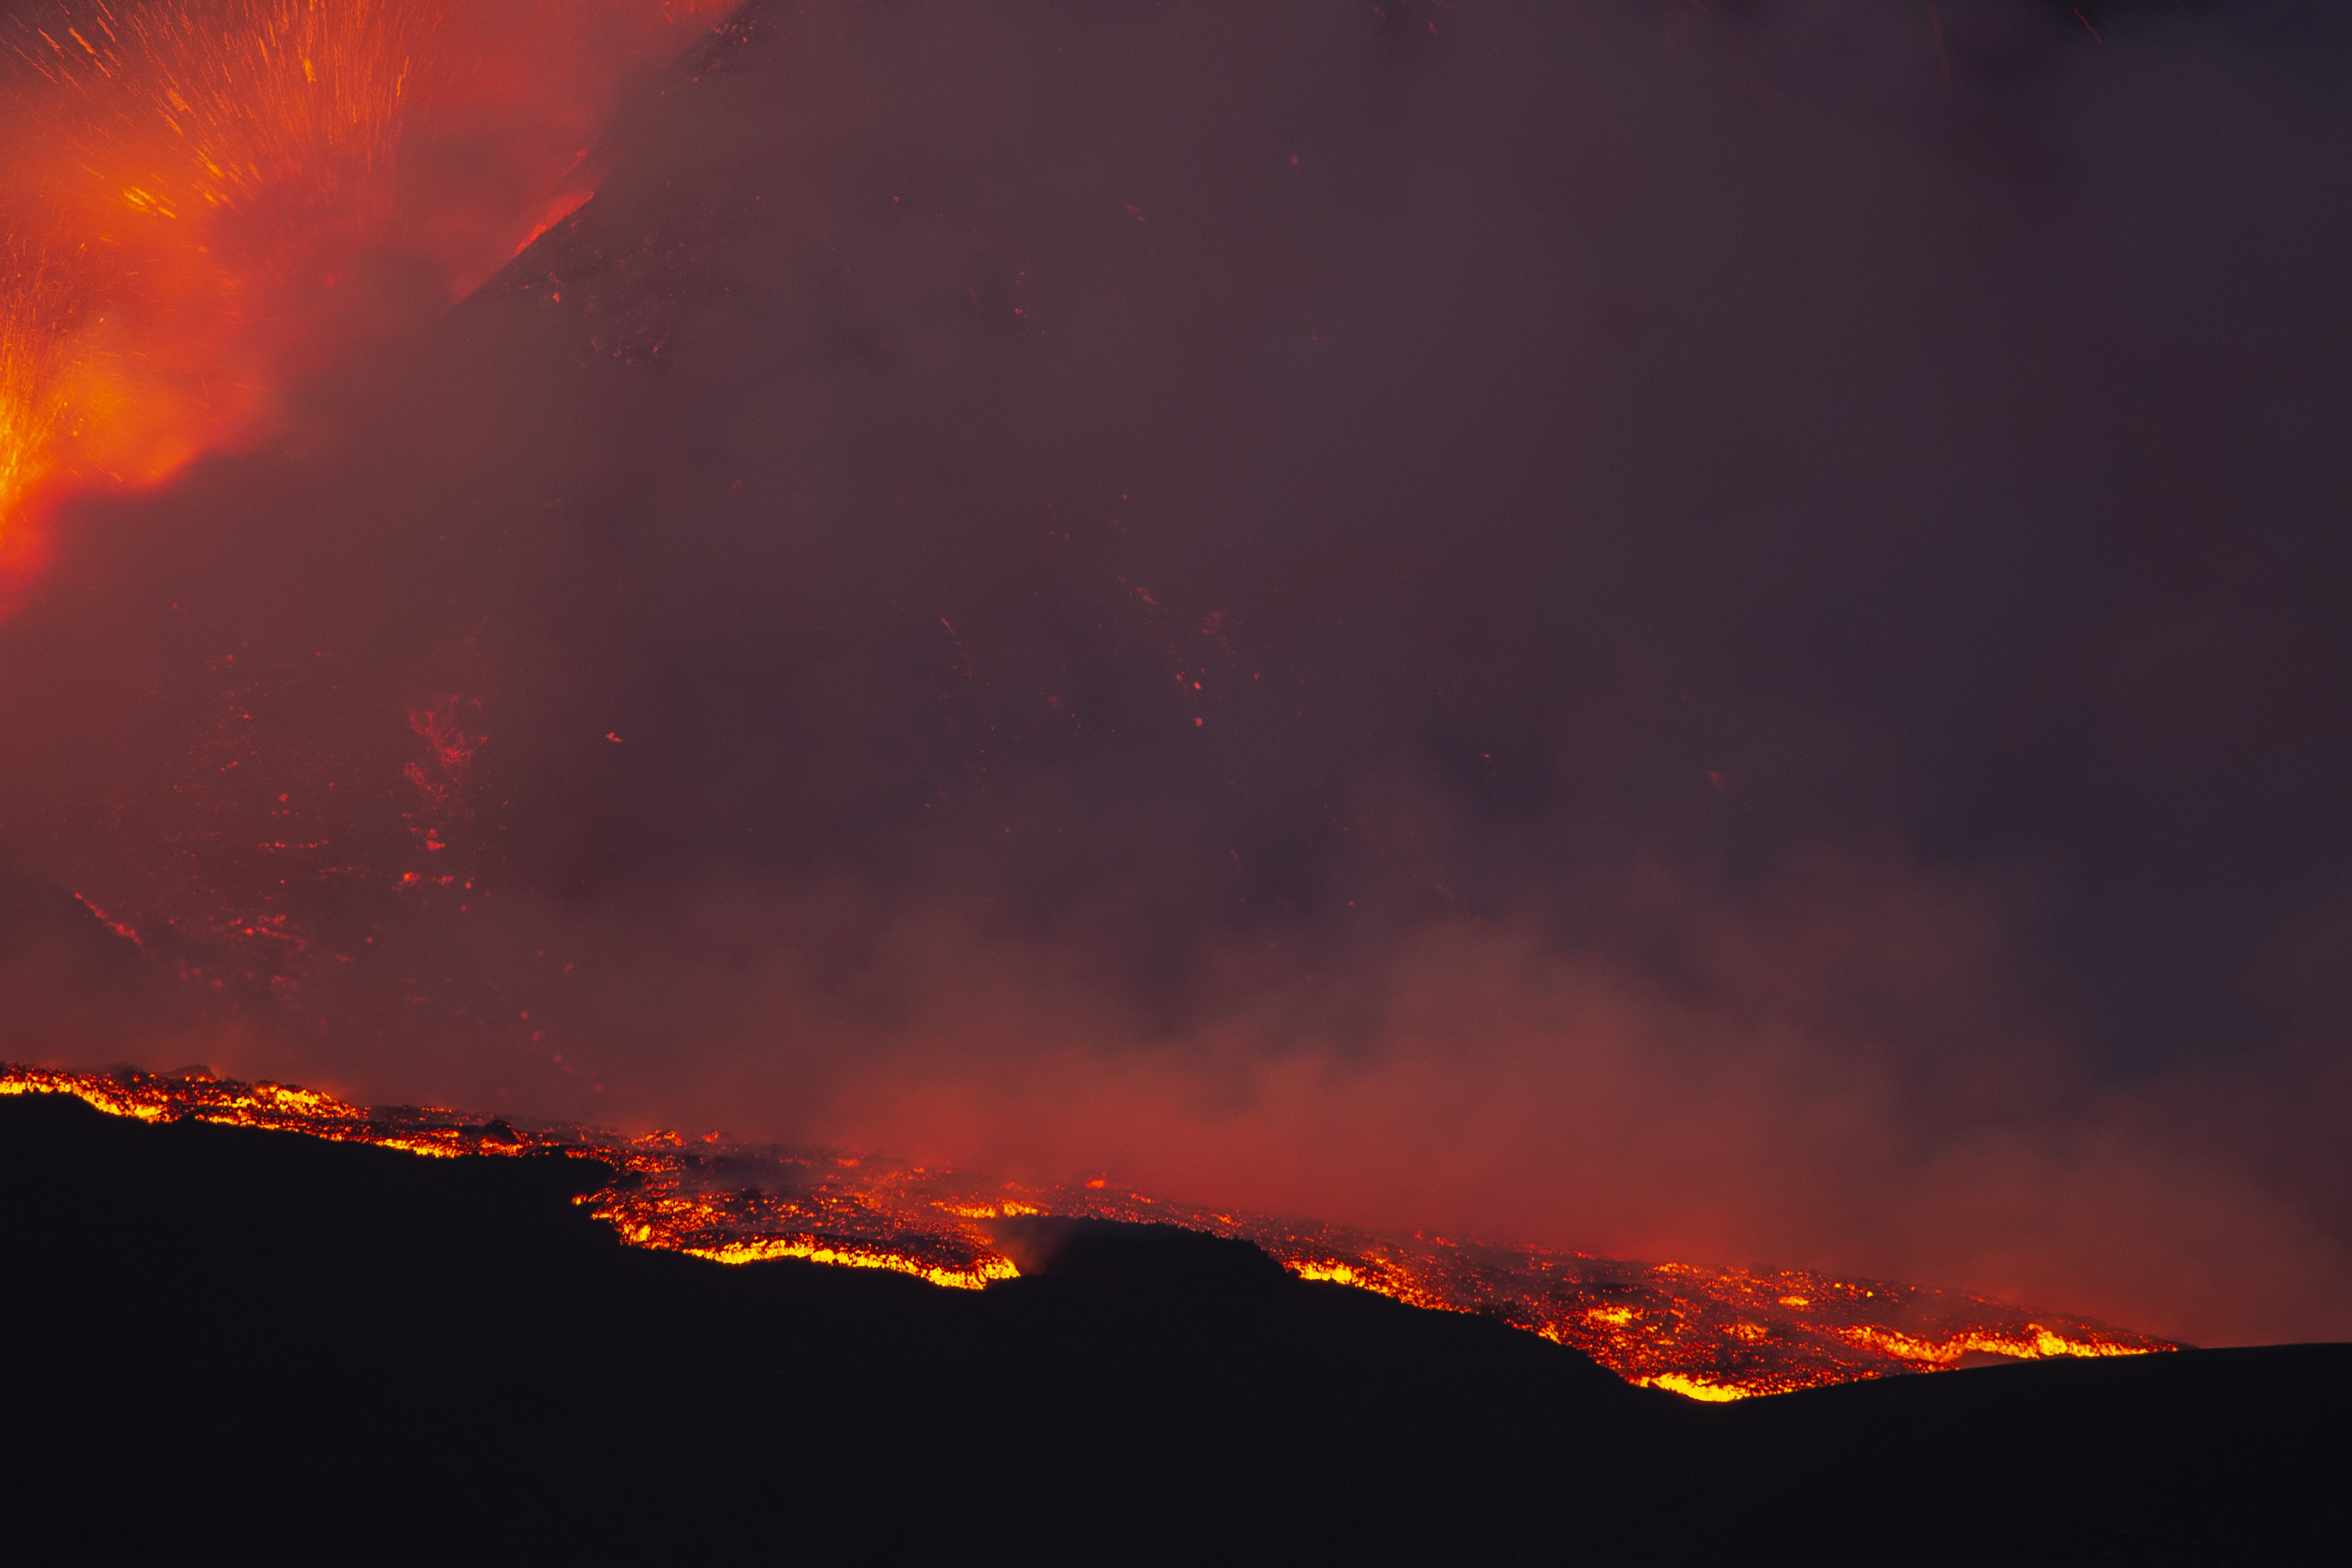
1710	1334
188	189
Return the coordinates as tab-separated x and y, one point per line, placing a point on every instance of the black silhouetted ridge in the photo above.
1134	1256
336	1353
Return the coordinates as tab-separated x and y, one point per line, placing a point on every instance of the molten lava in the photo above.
183	182
1707	1333
188	187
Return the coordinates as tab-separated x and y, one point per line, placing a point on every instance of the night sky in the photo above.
1702	631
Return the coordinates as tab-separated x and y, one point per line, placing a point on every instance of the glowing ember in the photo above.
36	301
230	105
1706	1333
187	187
181	179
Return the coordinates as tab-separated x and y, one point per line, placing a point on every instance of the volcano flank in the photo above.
1542	763
335	1350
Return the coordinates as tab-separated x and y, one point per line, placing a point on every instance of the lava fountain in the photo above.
195	189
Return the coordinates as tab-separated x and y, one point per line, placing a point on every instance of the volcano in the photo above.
1588	641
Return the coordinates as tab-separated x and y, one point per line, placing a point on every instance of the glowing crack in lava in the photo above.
1709	1333
188	187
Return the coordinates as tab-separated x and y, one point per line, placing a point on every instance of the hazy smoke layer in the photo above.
1700	632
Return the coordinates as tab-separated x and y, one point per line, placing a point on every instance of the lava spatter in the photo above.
190	188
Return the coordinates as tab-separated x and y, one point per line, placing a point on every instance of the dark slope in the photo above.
330	1351
2227	1456
327	1342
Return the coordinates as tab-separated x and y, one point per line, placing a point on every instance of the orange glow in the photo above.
1006	1210
183	182
557	209
28	393
1707	1334
189	189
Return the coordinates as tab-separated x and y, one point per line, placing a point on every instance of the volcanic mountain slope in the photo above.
401	1354
1710	1334
332	1352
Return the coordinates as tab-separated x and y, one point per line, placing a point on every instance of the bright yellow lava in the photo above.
768	1247
1693	1388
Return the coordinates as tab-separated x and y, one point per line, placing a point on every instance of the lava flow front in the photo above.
1709	1333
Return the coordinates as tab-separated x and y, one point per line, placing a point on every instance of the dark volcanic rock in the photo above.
402	1354
343	1352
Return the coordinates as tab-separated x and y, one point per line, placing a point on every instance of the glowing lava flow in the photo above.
1706	1333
